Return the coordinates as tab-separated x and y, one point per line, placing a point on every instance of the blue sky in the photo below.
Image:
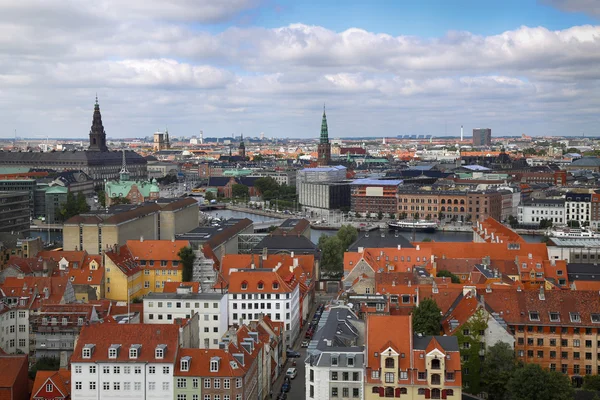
384	68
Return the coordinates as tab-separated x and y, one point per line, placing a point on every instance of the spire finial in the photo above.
323	108
96	98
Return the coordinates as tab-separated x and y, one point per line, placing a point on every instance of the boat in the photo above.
414	225
571	233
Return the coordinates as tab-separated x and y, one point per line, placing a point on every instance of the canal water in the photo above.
438	236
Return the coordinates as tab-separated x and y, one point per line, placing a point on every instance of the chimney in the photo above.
542	294
361	249
418	247
295	262
292	254
141	238
399	247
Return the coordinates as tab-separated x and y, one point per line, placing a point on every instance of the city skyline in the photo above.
254	66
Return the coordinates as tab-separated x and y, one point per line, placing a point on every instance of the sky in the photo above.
382	67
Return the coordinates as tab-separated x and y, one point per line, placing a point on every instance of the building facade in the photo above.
482	137
531	212
578	207
373	196
15	212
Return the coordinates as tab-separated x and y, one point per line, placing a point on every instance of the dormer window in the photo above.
554	316
350	361
134	351
275	285
334	360
113	350
261	285
534	316
160	351
86	353
575	317
214	364
185	363
244	285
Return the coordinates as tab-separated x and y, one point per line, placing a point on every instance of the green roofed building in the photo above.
136	192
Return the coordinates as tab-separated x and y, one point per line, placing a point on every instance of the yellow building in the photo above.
142	266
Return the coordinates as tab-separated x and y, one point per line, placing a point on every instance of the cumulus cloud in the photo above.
153	65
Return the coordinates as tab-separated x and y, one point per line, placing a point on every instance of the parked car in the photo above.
286	387
305	343
291	372
292	354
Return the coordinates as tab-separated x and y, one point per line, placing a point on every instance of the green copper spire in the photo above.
324	133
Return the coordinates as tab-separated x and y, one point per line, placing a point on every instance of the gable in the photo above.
43	393
389	352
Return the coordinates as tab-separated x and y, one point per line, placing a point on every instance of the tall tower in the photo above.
124	173
97	134
242	148
324	148
461	133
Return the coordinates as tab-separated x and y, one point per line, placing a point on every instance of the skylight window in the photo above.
575	317
554	317
534	316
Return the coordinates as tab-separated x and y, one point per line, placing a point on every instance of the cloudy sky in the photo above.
383	67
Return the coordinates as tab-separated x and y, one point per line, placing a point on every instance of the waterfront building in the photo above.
370	196
15	212
533	211
578	207
336	356
321	197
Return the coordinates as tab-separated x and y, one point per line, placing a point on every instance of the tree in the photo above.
545	223
208	196
258	158
82	205
497	368
416	215
447	274
44	364
268	187
380	215
101	198
513	221
238	190
531	382
332	259
573	223
469	341
403	215
427	240
427	317
119	200
591	382
347	235
187	258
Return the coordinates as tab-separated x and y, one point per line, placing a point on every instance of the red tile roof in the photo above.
149	336
11	366
252	278
124	260
171	287
60	379
156	250
380	337
200	363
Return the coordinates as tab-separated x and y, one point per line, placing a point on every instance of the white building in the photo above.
124	361
263	291
165	308
336	357
578	207
14	329
531	212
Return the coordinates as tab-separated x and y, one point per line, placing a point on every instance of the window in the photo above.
137	386
185	365
137	370
116	369
92	369
226	383
244	285
87	353
206	383
449	376
334	392
165	385
214	366
152	370
166	370
106	369
77	385
217	383
345	392
238	383
334	360
106	386
181	397
534	316
355	392
181	383
116	385
93	385
575	317
422	376
334	375
151	385
403	375
389	377
389	362
375	374
159	353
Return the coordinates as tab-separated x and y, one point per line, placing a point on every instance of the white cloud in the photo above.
153	66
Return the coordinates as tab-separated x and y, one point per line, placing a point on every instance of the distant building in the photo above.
578	207
324	196
136	192
482	137
161	141
532	212
373	196
324	147
587	163
97	162
242	148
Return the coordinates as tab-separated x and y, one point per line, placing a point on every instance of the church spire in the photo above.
124	173
97	133
324	132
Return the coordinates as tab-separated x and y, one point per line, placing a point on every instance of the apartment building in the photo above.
557	329
117	361
334	365
15	212
399	364
578	207
256	291
184	302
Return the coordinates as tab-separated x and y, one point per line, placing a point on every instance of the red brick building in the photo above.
14	381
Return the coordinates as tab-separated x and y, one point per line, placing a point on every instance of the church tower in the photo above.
97	134
242	148
124	173
324	148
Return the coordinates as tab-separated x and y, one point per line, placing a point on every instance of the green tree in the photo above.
545	223
258	158
119	200
347	235
208	196
238	190
82	205
187	258
268	187
380	215
403	215
573	223
101	198
447	274
497	368
531	382
591	382
572	150
513	221
470	332
427	240
416	215
427	317
44	364
332	259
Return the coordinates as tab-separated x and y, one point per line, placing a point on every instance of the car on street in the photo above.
292	354
286	387
305	343
291	372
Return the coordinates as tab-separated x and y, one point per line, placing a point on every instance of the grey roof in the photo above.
583	272
92	157
582	242
449	343
280	243
378	240
543	201
586	162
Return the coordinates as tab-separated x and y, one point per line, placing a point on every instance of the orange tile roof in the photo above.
171	287
11	365
444	298
586	285
501	232
70	256
380	337
149	336
496	251
465	308
61	380
26	286
200	363
85	275
156	249
253	277
124	260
